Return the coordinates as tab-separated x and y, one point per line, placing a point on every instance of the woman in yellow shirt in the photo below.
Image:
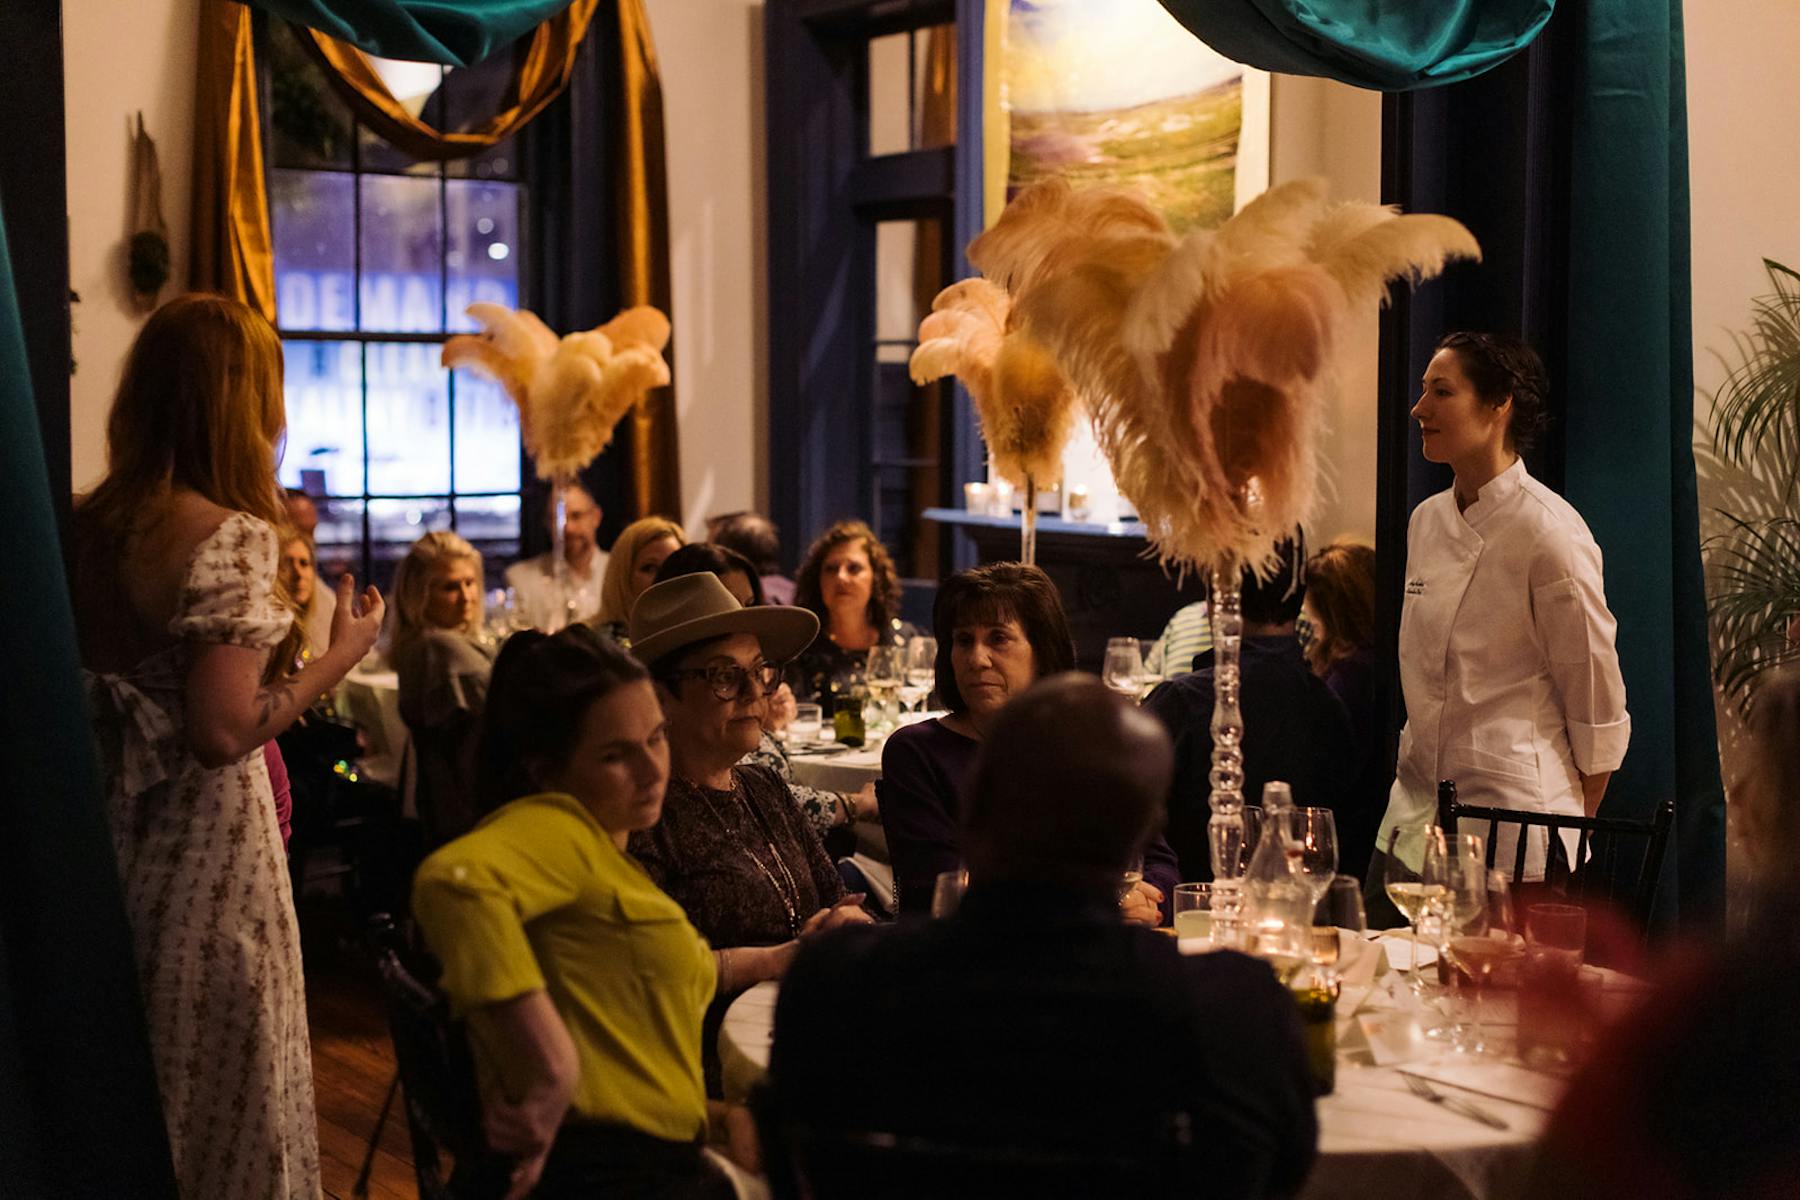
583	984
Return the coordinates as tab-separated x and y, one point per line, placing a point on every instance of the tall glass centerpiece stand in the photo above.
559	557
1225	829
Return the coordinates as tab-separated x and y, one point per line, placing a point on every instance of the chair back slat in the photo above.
1493	842
1604	858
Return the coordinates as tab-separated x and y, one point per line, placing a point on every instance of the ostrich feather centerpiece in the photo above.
1204	364
1025	406
571	392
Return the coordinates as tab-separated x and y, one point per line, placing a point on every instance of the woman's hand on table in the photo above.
1142	905
848	911
781	709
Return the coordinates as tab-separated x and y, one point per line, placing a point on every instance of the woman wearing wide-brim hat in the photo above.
731	848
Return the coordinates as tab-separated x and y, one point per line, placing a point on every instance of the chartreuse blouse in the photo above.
537	896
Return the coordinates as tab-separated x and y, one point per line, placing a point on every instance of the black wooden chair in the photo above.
437	1075
806	1162
1617	860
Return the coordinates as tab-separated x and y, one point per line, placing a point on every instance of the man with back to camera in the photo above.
1295	729
1034	1015
533	580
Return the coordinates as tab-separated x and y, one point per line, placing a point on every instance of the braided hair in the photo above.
1502	367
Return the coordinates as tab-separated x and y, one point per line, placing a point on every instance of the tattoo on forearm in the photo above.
271	698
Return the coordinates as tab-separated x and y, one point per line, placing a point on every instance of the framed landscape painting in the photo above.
1118	92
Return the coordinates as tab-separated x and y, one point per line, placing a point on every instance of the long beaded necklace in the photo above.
790	897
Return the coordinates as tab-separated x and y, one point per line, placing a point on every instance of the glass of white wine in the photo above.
1414	877
884	670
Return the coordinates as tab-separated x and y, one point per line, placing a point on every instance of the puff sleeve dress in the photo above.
207	895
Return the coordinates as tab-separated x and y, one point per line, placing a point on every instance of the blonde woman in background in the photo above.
187	648
631	567
443	670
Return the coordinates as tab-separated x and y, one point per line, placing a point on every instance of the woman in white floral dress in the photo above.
188	647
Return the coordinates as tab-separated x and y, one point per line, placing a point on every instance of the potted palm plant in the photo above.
1755	594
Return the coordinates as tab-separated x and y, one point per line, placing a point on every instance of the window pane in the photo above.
890	108
394	525
409	419
310	126
492	523
401	244
500	161
339	537
487	436
483	258
324	418
313	214
376	153
934	87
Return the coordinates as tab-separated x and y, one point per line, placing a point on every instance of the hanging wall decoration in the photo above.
148	256
571	392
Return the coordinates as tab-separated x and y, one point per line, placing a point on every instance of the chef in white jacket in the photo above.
1507	655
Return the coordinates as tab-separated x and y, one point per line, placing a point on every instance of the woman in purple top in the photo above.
999	627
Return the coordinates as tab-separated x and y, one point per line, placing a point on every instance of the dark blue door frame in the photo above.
825	196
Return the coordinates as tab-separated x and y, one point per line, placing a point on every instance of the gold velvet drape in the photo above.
641	188
541	77
232	247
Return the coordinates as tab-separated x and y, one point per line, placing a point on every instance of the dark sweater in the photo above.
1294	730
924	769
1035	1015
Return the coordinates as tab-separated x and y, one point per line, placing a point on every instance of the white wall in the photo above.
1744	170
1320	127
119	59
710	52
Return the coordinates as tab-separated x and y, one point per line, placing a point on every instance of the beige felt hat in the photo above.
693	608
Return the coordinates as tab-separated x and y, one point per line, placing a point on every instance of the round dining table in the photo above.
1377	1136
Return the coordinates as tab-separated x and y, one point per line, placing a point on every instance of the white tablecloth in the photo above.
1376	1139
372	700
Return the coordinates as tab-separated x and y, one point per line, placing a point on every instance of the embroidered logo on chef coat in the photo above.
1415	587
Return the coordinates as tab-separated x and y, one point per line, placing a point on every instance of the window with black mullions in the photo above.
377	255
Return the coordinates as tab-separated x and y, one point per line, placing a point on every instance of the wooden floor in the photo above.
353	1062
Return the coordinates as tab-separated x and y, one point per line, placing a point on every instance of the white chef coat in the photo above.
533	582
1507	660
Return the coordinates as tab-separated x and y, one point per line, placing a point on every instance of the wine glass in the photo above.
1315	833
883	673
1482	943
1457	915
920	668
1131	877
1413	876
1123	668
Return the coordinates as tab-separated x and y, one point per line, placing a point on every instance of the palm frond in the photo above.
1755	594
1757	409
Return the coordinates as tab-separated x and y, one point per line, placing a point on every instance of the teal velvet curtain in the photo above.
79	1114
1629	418
1381	44
457	33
